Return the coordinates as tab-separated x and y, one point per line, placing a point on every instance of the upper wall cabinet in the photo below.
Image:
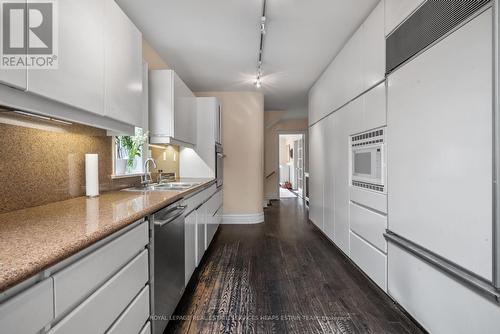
359	66
123	67
79	79
396	11
172	115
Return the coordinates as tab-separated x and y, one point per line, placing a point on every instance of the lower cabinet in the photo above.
35	304
105	290
201	225
98	312
371	260
132	319
190	245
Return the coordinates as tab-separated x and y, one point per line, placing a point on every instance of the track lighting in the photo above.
258	79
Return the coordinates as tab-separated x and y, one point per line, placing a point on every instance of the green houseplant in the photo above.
130	147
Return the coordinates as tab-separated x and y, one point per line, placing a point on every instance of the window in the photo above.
128	153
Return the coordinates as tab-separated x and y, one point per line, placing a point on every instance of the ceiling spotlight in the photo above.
263	25
258	82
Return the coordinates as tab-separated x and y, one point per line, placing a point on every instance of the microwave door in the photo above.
362	164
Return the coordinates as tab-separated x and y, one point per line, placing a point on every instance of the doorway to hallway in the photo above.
291	165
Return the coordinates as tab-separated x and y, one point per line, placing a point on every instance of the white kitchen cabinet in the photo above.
371	260
438	302
373	47
14	78
172	110
79	79
133	319
29	311
440	148
200	162
190	245
328	177
201	219
316	173
369	225
357	67
396	11
123	66
75	282
105	305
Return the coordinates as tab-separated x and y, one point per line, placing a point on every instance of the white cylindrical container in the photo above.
92	174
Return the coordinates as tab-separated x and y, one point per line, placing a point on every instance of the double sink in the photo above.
173	186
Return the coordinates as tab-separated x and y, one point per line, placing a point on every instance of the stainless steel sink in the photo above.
172	186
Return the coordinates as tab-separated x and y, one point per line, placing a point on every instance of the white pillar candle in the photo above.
92	175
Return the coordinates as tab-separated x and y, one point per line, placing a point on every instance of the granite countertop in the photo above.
36	238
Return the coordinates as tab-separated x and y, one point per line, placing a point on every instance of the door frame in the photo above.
305	157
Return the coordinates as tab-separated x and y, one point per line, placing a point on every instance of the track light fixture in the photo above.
258	79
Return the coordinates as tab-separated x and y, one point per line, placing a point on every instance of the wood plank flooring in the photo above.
282	276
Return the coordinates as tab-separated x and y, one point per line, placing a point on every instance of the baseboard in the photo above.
252	218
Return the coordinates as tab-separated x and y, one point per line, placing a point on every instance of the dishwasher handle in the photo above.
173	215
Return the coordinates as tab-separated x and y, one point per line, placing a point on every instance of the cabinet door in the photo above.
374	47
184	112
201	219
122	66
328	177
79	79
218	124
190	245
35	304
316	175
440	148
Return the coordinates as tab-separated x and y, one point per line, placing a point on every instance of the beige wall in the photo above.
243	141
273	126
153	59
167	159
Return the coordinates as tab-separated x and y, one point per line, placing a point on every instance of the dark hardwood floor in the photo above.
282	276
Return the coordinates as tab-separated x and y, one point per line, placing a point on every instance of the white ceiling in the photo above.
213	44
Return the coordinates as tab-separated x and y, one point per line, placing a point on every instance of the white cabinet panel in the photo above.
201	218
375	108
132	320
14	78
190	245
356	68
370	199
372	261
185	112
396	11
439	303
30	311
316	183
103	307
373	44
123	66
172	110
79	79
77	281
328	177
440	148
369	225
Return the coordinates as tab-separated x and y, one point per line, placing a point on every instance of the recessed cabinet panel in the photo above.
79	79
190	245
123	66
369	225
30	311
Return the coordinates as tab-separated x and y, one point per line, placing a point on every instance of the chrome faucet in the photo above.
146	177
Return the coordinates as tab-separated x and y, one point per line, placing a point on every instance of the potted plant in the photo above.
129	148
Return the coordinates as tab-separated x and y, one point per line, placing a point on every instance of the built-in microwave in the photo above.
368	160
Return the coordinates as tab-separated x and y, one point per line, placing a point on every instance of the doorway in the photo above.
291	165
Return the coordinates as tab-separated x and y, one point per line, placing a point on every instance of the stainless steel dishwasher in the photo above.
166	263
